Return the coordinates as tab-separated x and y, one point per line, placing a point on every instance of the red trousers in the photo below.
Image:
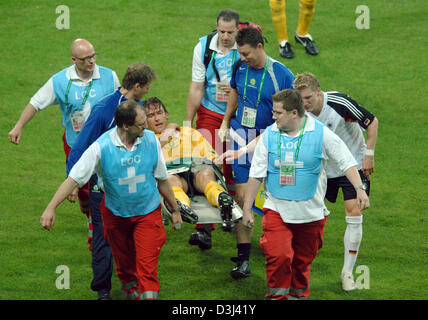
207	123
136	243
83	196
289	250
83	191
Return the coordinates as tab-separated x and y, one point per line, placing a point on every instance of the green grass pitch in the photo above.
383	68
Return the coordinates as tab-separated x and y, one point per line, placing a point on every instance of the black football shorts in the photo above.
334	184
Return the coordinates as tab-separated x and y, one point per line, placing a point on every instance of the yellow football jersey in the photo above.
185	147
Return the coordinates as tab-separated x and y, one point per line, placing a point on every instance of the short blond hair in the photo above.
306	80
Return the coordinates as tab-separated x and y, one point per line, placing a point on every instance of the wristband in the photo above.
361	187
244	149
369	152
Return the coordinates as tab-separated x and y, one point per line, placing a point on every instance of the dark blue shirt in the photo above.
278	77
100	120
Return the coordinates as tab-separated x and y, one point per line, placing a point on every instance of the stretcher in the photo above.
205	212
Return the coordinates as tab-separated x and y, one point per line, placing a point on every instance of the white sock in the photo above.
283	43
352	241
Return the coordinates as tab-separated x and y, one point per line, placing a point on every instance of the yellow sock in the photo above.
181	195
212	191
279	19
306	12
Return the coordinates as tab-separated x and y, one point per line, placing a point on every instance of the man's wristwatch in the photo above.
361	187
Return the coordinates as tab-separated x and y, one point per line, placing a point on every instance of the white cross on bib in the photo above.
132	180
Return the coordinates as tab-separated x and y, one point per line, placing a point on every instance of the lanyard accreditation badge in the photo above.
77	117
287	168
220	95
249	114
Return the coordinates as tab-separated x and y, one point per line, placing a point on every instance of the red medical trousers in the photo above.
136	243
207	123
289	250
83	191
83	196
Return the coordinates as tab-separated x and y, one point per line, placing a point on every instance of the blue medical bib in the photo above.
76	95
310	154
128	176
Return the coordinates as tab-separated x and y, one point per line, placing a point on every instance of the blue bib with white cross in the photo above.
309	158
74	105
224	66
128	176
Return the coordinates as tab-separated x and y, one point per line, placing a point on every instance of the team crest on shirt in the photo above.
252	81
